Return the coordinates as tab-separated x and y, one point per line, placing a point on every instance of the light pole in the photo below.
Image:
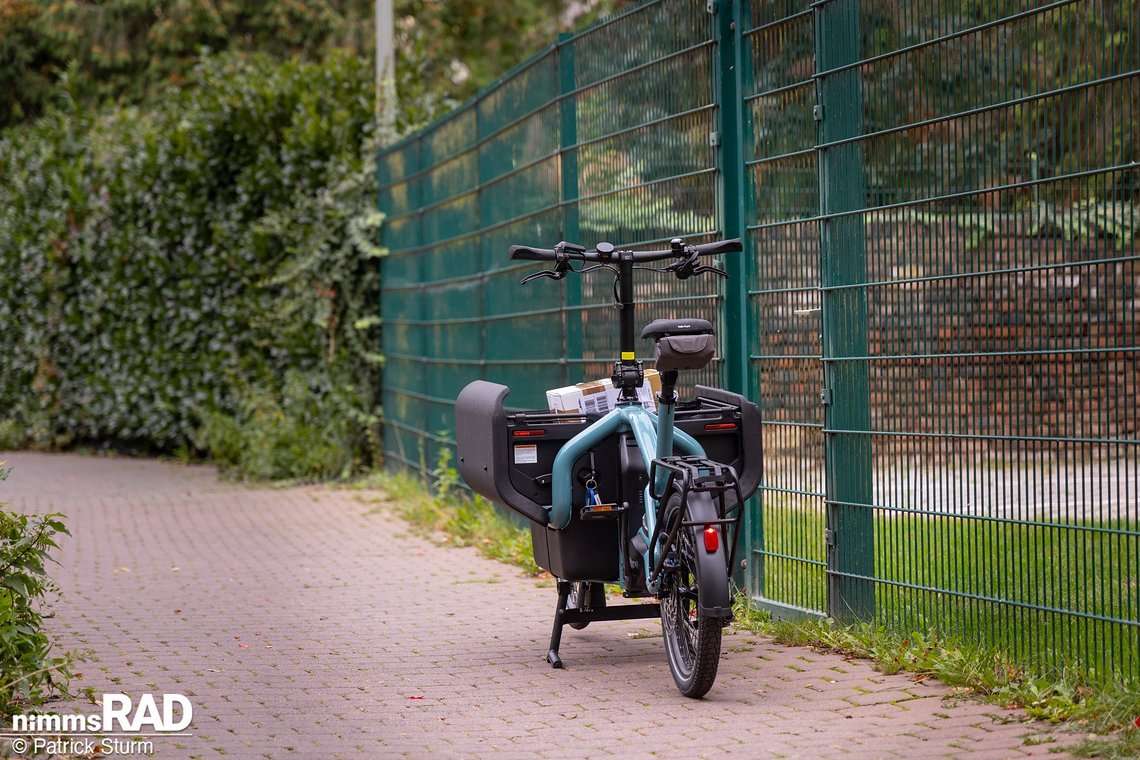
385	72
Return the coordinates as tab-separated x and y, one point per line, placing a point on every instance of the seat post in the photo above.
666	408
668	393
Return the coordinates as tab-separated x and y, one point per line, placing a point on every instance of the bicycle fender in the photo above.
712	567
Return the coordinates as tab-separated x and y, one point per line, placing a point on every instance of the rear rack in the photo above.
693	474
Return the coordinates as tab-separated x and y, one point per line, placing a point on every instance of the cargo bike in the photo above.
649	501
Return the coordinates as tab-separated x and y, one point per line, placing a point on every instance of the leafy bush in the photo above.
273	438
201	261
25	60
131	50
28	672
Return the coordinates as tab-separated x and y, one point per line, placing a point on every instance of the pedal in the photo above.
601	512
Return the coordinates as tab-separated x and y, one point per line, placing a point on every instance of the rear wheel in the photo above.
692	640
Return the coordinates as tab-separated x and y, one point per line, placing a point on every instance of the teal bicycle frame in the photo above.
656	437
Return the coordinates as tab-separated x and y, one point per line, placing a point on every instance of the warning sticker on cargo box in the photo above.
526	454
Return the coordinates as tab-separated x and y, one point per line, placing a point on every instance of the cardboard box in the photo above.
601	396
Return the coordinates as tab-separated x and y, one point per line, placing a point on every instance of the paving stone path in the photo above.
309	622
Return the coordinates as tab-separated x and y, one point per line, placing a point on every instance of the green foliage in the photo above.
11	435
210	258
132	50
448	49
25	63
1053	695
28	672
275	438
451	48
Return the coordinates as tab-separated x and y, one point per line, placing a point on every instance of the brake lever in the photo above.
708	268
544	273
686	268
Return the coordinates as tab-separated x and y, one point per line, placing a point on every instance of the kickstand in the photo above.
556	635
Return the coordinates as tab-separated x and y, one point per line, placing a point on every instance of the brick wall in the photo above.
1007	329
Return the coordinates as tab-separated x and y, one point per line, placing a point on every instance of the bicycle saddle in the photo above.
662	328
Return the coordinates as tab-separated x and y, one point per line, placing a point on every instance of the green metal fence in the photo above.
936	309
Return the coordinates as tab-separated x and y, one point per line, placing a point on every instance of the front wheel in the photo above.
692	640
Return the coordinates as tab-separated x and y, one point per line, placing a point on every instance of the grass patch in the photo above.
448	513
1052	694
1125	745
1007	585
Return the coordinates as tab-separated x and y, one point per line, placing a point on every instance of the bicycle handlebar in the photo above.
605	252
732	245
527	253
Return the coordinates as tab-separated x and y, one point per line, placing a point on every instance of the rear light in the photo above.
721	426
529	433
712	539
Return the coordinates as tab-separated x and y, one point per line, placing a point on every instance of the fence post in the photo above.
732	203
568	142
846	393
420	454
732	194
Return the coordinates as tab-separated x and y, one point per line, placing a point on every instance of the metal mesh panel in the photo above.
587	143
963	296
783	297
645	170
936	311
1000	266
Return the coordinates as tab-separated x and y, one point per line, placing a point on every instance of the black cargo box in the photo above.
508	457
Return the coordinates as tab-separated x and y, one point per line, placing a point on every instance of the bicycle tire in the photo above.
692	640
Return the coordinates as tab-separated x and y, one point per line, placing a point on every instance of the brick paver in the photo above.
309	622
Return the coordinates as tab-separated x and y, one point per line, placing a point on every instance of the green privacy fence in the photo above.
936	308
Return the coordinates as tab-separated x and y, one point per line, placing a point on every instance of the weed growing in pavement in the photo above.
1055	696
450	514
1124	745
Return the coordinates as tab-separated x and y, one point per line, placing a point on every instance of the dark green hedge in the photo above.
198	274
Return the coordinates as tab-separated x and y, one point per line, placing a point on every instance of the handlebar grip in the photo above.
526	253
720	246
